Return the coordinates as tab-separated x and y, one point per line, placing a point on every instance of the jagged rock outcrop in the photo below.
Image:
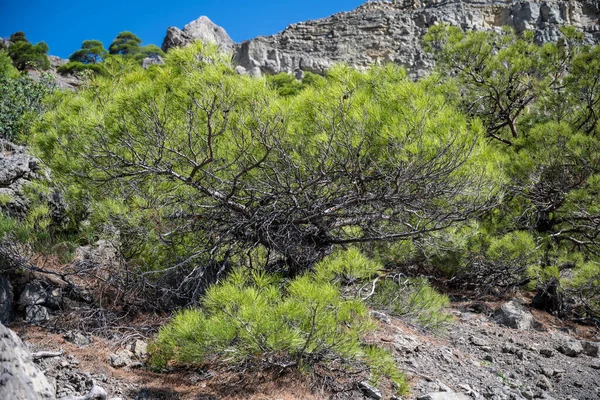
201	29
17	169
382	31
391	31
20	378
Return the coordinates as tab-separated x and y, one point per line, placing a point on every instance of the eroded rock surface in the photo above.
17	169
390	31
20	378
201	29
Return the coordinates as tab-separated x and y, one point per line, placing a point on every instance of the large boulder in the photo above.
201	29
20	378
568	346
512	314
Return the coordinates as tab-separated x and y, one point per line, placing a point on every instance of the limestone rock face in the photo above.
384	31
20	378
17	168
201	29
389	31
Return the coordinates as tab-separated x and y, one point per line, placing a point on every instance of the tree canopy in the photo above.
367	157
91	52
126	44
26	55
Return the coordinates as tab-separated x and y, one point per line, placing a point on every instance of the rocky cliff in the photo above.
391	31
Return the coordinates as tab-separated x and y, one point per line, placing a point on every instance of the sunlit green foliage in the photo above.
7	70
251	316
287	84
413	299
543	102
199	164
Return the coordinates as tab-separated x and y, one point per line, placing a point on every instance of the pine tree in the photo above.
126	44
91	52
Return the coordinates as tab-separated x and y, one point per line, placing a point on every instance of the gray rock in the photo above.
36	314
77	339
139	348
381	31
512	314
547	352
570	347
6	299
201	29
543	383
121	359
590	348
255	72
17	169
381	317
478	341
38	293
148	61
96	393
595	364
20	378
444	396
405	343
33	294
370	391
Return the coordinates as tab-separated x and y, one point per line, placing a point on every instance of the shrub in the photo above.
414	299
252	317
287	85
21	102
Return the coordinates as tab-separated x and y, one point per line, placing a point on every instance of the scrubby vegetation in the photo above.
248	199
252	317
539	106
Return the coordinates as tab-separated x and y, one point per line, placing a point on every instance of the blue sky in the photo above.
63	25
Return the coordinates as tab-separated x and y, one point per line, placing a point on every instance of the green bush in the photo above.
21	102
287	85
414	299
251	316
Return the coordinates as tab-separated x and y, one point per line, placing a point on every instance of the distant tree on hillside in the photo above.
126	44
27	55
18	37
91	52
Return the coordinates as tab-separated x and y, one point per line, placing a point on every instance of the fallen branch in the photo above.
47	354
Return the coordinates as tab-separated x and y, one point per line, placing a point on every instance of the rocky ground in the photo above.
491	351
